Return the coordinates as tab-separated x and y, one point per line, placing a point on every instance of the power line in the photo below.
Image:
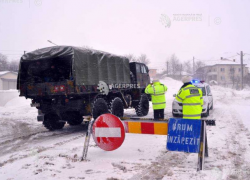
13	54
205	60
12	50
217	59
231	56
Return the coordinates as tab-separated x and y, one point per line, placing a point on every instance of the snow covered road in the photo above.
29	151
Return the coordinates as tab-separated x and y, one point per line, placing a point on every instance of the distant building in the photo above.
152	73
8	80
227	73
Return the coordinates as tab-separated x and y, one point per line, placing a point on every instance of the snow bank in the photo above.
7	95
17	117
17	102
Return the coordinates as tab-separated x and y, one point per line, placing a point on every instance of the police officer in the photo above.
157	92
191	98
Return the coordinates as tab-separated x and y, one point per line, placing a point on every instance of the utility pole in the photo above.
193	66
242	70
180	71
167	68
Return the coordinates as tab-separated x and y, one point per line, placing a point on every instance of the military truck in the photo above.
67	83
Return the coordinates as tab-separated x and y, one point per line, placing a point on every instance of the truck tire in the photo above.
73	118
51	122
116	107
99	107
143	106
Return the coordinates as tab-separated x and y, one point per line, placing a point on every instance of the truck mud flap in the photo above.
40	118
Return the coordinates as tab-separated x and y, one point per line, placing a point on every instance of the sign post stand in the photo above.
87	139
108	133
203	147
206	145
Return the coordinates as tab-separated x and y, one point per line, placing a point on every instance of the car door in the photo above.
209	95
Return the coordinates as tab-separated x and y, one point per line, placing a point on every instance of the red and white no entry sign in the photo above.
108	132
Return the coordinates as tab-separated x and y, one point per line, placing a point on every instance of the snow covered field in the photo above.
29	151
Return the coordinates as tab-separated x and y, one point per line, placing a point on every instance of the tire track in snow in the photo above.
238	146
18	146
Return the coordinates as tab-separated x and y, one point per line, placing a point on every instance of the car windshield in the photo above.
203	91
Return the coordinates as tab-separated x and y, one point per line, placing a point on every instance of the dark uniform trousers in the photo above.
159	114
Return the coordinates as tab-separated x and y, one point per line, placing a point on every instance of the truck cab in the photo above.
141	73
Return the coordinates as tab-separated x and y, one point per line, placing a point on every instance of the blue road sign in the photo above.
184	135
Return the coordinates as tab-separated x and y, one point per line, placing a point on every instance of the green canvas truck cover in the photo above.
88	66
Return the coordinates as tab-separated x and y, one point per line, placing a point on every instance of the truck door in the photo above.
145	75
142	75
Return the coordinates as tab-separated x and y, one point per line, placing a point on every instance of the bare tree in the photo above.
3	62
167	67
187	67
174	64
143	59
131	57
14	65
234	78
199	64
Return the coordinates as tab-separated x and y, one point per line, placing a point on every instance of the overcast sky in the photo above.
218	28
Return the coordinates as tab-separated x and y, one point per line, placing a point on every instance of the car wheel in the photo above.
207	114
212	107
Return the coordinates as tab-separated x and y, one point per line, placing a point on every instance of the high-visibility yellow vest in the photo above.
192	101
157	92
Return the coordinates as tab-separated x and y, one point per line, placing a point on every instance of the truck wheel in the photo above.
73	118
99	107
116	106
51	122
143	106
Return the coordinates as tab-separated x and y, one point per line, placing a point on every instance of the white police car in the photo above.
207	99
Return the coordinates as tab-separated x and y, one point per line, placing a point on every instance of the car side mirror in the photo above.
174	95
